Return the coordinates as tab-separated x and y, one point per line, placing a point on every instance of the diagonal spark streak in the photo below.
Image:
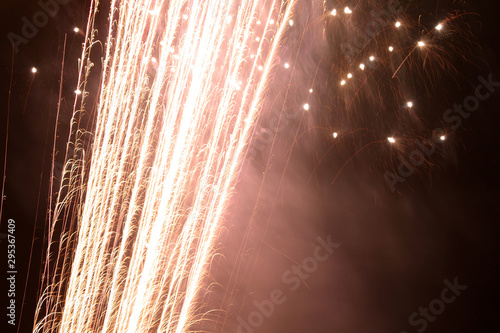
168	143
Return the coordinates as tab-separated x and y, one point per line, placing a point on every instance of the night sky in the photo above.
396	247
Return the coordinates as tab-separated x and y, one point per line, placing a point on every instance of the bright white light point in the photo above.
260	68
153	59
291	23
155	11
287	65
342	82
372	58
347	10
78	91
334	12
236	84
76	29
391	140
349	76
257	39
391	49
258	22
443	138
409	104
398	24
271	21
335	135
185	16
306	107
33	70
362	66
252	56
439	27
421	44
310	90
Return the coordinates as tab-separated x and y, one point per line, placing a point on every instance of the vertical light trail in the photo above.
178	96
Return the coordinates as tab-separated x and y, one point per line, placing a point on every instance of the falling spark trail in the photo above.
168	143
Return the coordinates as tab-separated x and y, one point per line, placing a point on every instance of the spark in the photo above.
34	70
155	11
439	27
146	210
166	150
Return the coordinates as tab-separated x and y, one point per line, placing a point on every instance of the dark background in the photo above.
397	248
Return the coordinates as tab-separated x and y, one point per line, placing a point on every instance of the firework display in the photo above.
176	100
178	97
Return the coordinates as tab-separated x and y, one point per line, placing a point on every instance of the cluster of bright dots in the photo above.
362	66
286	65
409	104
347	11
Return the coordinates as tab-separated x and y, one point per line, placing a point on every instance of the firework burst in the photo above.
183	83
141	207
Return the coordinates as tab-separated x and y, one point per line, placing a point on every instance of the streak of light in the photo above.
169	138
